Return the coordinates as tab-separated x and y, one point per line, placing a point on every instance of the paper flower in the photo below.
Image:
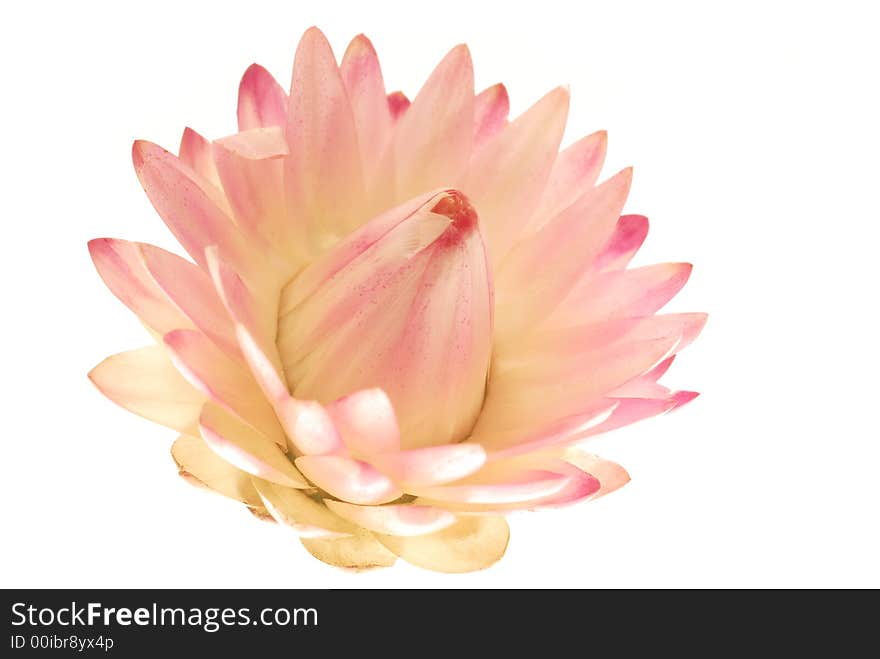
399	317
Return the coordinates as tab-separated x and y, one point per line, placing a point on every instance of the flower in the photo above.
400	317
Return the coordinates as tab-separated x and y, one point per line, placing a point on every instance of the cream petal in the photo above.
407	309
304	514
261	100
360	551
472	543
145	382
246	448
507	176
200	466
401	520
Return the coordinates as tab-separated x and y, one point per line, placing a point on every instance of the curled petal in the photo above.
610	475
402	520
351	480
366	422
255	186
404	304
472	543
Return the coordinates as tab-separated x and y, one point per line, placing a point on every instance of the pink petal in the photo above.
351	480
253	177
574	174
261	100
557	383
610	474
193	217
222	380
194	294
195	153
491	107
120	265
508	175
619	293
399	520
398	103
362	77
543	431
528	288
323	176
433	465
366	422
681	398
629	235
243	447
433	138
408	310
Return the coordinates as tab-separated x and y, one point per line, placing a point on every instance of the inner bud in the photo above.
404	304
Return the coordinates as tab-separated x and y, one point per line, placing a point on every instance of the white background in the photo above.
754	135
